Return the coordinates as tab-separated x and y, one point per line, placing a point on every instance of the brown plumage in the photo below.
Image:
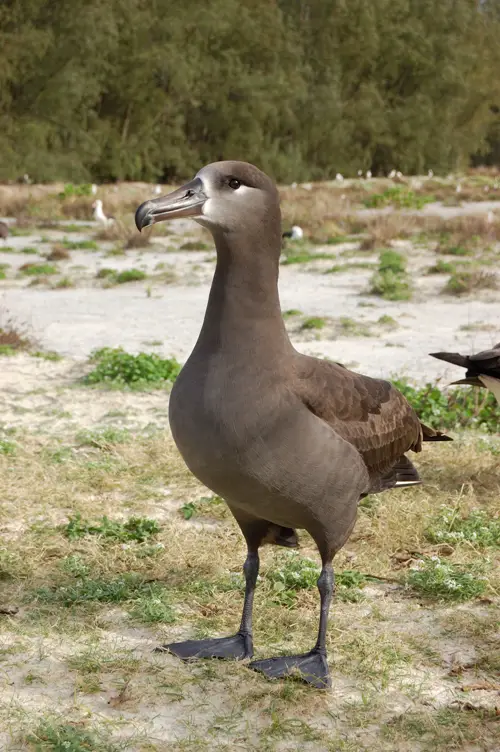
289	441
483	368
4	230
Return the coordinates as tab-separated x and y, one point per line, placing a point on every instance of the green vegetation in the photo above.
441	580
115	367
408	99
56	736
71	190
80	245
295	573
135	529
463	282
460	407
391	280
291	313
400	198
212	505
451	527
119	278
35	270
441	267
313	322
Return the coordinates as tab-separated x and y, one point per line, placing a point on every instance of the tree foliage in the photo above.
129	89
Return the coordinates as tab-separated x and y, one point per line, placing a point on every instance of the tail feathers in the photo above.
402	473
455	358
432	434
406	473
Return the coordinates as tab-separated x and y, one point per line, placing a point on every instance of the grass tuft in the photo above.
441	580
476	528
135	529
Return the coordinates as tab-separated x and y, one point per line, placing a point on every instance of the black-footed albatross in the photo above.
483	368
289	441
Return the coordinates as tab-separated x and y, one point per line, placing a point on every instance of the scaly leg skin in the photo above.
311	667
237	647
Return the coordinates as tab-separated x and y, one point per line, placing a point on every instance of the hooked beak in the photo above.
184	202
470	380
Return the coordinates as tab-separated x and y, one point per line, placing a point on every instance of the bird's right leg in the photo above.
237	646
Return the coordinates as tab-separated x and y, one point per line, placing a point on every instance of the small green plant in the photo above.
441	267
348	585
291	313
352	328
130	275
303	257
391	280
441	580
47	355
455	408
313	322
34	270
119	368
392	261
463	282
63	284
29	251
388	321
135	529
7	447
400	197
206	503
153	608
295	573
57	736
70	190
476	528
80	245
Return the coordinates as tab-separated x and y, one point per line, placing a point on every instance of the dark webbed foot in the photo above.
310	667
237	647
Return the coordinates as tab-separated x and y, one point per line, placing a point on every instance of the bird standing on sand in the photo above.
483	368
4	231
288	440
99	215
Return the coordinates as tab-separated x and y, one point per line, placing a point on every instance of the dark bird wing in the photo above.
369	413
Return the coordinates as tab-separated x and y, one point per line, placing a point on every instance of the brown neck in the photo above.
243	310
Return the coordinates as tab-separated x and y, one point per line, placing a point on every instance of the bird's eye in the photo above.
234	184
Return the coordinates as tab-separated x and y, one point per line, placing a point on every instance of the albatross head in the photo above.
224	196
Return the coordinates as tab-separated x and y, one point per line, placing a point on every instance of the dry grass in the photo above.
382	230
58	253
93	659
14	337
466	282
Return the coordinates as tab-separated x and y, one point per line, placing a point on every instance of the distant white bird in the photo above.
339	177
27	179
486	188
430	174
392	174
399	174
307	186
368	174
360	173
99	215
458	188
296	233
157	189
294	185
93	188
